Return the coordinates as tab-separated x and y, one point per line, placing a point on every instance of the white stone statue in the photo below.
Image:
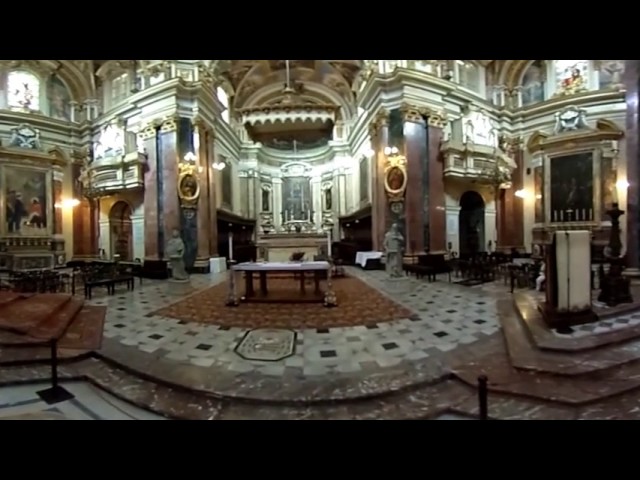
393	248
175	252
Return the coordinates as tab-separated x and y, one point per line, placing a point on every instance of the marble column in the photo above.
316	195
148	138
85	222
631	81
379	134
58	238
212	200
137	234
277	203
416	199
511	214
168	160
437	214
204	172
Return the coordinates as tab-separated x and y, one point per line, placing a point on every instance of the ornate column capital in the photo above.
379	120
148	131
411	113
434	118
169	125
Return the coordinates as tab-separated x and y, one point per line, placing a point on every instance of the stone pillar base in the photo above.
179	287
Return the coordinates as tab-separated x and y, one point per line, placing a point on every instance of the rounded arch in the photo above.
79	80
121	230
471	199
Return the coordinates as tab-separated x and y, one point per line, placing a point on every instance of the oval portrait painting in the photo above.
395	179
189	187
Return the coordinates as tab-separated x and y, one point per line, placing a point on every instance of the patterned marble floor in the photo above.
447	315
90	403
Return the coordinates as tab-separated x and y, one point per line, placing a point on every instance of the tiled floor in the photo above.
90	403
447	315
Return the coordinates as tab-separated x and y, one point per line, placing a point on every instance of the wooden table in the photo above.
318	270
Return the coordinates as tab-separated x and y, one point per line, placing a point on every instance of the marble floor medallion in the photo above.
267	344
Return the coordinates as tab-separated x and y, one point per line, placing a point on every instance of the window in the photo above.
23	91
224	100
119	89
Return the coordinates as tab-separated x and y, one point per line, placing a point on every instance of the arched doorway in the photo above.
121	230
471	223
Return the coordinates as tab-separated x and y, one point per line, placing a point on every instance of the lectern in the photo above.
568	279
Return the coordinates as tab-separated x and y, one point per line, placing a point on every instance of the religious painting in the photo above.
59	99
395	179
538	188
533	83
571	188
23	90
572	76
608	179
364	179
227	182
188	189
297	199
611	72
27	192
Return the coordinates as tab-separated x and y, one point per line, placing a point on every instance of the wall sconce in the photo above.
369	152
391	151
219	165
622	184
190	157
68	203
520	193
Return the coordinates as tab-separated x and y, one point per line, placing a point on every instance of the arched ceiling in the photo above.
329	80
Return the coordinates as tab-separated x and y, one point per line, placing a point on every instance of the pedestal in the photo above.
179	287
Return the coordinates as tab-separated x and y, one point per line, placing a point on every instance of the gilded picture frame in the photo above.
188	189
395	178
27	205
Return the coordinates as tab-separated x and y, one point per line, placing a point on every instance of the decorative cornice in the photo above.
169	125
411	113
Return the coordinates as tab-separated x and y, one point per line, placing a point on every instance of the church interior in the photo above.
319	239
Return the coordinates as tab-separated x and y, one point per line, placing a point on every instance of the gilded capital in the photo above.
381	119
148	131
169	125
411	113
437	119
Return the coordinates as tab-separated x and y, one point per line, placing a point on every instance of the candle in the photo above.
584	214
555	215
590	214
230	246
329	243
562	215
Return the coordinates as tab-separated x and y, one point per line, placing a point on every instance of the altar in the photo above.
299	271
278	247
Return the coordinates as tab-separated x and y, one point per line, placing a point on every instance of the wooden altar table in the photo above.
319	270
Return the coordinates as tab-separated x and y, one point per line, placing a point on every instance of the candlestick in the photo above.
230	246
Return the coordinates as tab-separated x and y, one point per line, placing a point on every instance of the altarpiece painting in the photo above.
27	193
571	187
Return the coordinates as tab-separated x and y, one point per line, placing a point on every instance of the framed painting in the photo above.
571	188
28	202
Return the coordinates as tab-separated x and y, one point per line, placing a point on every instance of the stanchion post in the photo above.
56	393
483	394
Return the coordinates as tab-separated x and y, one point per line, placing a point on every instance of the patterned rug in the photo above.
358	304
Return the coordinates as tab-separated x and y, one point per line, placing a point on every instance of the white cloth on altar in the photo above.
363	257
280	266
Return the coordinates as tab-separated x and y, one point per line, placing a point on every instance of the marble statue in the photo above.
175	252
393	249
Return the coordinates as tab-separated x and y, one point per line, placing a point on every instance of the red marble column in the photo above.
416	199
85	222
379	133
204	202
437	211
168	161
57	201
149	138
631	80
511	219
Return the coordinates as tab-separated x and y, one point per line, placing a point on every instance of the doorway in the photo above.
121	231
471	223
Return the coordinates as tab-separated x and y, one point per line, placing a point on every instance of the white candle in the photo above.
230	246
590	214
329	243
555	215
562	215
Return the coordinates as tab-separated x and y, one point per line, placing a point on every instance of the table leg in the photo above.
302	287
263	283
248	280
316	279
